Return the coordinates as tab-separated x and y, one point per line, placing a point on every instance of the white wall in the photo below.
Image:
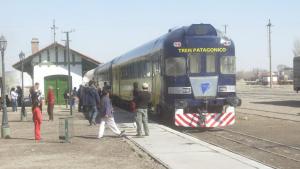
42	71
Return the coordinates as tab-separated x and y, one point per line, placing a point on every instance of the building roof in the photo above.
28	59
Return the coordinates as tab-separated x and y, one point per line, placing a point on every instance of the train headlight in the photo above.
225	41
226	88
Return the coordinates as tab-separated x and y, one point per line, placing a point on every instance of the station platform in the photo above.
176	150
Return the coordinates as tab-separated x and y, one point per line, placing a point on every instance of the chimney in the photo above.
34	45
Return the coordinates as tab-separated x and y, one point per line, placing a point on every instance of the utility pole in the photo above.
69	71
53	28
270	54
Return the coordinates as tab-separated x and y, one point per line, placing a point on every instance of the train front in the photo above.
200	77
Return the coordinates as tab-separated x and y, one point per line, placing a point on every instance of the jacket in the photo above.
106	108
92	97
143	100
50	97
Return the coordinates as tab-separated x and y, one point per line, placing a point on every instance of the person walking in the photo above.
93	101
14	99
143	101
133	101
50	101
20	93
79	95
66	97
107	117
35	96
37	119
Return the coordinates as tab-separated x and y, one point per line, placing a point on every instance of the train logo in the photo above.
205	87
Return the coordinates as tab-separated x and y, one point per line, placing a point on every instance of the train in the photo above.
296	73
191	72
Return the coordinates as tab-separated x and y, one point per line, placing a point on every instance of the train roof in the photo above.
156	44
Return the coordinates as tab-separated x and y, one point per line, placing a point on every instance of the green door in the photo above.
59	84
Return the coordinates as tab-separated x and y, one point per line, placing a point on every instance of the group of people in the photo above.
15	98
37	105
97	104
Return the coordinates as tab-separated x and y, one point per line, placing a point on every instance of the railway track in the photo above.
247	142
279	149
270	114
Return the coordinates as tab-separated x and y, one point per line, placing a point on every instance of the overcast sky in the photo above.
106	29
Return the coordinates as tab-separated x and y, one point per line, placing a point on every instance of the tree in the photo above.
281	67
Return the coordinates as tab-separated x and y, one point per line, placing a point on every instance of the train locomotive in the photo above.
191	75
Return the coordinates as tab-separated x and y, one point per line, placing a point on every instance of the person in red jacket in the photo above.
37	118
50	101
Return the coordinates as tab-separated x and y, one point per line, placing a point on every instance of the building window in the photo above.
48	55
65	56
40	58
56	54
73	58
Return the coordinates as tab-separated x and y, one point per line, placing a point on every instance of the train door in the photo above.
156	80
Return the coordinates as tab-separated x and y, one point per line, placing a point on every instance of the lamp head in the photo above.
3	43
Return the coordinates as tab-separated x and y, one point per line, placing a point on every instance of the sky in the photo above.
107	29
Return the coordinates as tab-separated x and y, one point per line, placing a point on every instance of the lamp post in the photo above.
23	111
5	130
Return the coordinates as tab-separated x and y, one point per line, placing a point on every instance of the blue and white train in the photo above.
191	74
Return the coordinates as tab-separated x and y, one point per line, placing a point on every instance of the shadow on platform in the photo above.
288	103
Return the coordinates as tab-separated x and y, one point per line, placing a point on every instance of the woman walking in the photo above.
50	100
107	117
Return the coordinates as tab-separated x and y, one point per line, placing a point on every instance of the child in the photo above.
37	118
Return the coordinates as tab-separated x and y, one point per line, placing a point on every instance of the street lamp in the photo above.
5	130
23	111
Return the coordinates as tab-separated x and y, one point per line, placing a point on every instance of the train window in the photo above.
148	69
228	64
175	66
210	63
194	62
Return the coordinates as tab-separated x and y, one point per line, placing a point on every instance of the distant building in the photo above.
49	67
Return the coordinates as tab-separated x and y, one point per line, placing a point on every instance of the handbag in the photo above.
132	106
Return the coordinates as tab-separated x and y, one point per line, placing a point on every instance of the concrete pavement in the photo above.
179	151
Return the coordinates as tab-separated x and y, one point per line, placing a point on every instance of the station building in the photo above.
49	67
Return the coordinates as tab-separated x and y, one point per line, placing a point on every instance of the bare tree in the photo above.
281	67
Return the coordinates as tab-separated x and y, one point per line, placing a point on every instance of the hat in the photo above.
145	86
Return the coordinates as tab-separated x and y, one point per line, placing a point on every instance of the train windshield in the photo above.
175	66
194	62
227	64
210	63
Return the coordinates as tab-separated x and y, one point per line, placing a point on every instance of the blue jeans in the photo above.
14	105
93	112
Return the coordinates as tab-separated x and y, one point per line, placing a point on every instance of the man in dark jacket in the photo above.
143	100
93	101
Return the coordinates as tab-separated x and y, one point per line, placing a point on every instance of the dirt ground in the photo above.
85	151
